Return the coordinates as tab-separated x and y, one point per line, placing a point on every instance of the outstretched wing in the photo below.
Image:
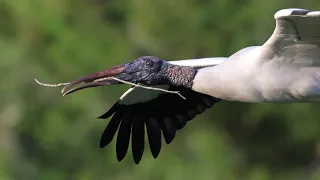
157	111
296	38
199	63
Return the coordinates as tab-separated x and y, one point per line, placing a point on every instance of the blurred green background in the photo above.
46	136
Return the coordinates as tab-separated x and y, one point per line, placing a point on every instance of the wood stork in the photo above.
286	68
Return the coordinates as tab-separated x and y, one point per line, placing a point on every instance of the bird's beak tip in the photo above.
93	80
63	90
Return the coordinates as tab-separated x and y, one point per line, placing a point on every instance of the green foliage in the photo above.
46	136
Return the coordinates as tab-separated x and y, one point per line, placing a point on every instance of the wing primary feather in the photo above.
168	129
112	110
137	137
200	108
154	136
112	127
192	113
198	104
181	121
208	101
123	138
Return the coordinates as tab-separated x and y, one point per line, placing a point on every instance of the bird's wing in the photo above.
296	38
157	111
199	63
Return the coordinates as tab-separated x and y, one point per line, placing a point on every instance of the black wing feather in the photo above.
167	113
116	107
112	127
123	138
154	137
168	129
180	120
138	137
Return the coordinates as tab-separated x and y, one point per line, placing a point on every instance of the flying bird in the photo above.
286	68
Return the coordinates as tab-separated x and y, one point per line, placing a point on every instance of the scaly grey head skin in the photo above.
147	70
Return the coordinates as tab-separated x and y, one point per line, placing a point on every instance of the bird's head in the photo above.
146	70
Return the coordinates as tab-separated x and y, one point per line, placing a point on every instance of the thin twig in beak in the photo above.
116	79
50	85
147	87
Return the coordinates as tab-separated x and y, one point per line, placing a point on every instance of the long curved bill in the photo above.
96	79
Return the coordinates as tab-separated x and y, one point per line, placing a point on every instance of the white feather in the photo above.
199	63
287	12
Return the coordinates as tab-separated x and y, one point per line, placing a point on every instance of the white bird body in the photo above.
247	77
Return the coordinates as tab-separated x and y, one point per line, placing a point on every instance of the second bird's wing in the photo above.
296	38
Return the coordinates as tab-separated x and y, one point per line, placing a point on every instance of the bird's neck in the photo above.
180	75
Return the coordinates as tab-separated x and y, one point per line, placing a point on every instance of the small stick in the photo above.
114	78
147	87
